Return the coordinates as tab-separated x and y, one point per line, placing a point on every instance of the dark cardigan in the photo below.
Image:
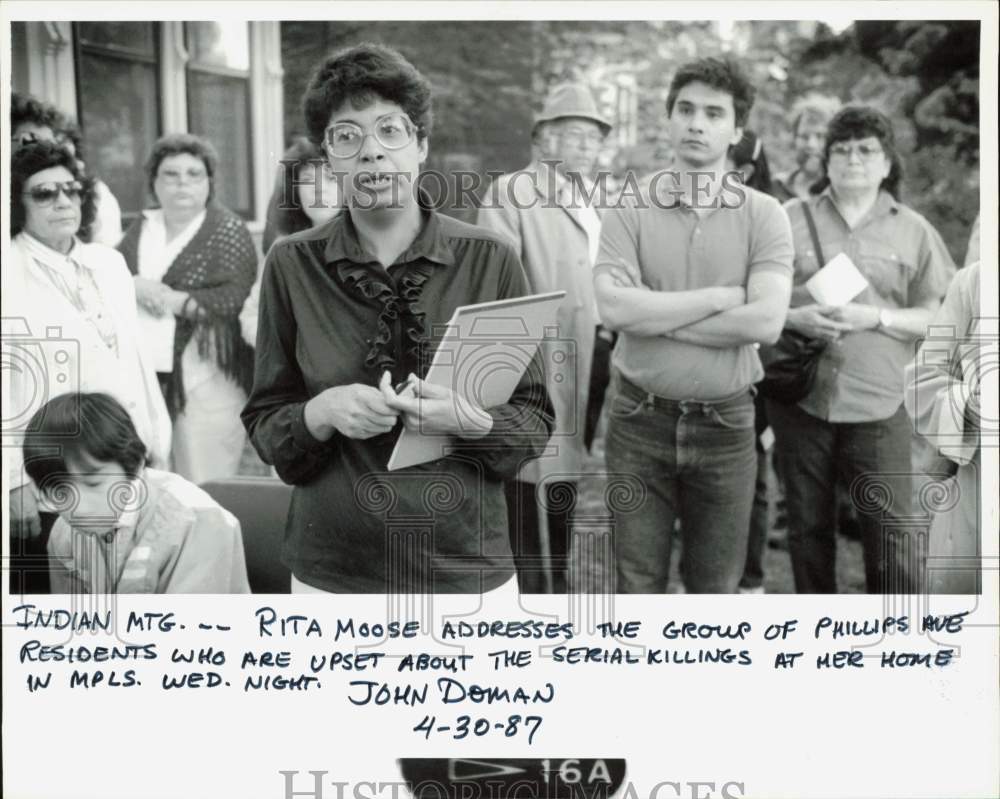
217	268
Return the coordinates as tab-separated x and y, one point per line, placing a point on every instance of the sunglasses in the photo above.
46	193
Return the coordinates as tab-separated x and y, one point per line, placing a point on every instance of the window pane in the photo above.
120	119
134	37
220	44
218	109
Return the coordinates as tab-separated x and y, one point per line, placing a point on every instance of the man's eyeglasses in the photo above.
172	177
393	131
865	152
46	193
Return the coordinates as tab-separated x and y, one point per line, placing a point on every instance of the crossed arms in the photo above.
718	316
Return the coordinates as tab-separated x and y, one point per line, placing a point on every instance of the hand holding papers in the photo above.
837	283
483	351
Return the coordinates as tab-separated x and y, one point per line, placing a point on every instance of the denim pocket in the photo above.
735	417
625	407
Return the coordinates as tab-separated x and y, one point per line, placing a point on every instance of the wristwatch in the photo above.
884	319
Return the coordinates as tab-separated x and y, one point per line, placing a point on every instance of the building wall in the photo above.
128	83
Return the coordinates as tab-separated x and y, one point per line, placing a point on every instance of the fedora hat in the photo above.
571	100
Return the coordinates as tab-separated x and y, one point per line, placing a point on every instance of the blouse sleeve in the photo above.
274	415
522	426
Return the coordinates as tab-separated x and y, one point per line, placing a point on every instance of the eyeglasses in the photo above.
172	177
579	138
393	131
866	152
46	193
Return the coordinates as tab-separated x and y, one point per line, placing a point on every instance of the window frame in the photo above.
129	56
193	65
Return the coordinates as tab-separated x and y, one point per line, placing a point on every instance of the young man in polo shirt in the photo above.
693	272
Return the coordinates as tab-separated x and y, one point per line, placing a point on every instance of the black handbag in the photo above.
790	363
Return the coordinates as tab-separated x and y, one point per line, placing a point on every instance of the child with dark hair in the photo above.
124	528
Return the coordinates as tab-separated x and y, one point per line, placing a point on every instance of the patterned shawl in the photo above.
217	268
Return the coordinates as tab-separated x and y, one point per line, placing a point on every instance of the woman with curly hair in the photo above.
194	264
851	426
349	309
69	313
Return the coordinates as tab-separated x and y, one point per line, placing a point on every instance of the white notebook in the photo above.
483	352
837	283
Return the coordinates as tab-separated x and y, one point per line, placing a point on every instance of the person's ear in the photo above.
748	171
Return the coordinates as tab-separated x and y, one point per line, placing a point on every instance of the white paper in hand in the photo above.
837	283
481	356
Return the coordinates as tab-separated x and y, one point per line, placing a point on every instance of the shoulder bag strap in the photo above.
813	234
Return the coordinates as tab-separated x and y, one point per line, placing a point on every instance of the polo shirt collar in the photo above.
431	242
666	182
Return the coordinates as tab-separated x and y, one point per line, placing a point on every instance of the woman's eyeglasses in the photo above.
173	177
46	193
393	131
866	152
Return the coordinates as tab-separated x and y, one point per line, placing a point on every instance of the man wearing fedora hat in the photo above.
547	211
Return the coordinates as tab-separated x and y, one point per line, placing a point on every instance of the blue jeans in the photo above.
873	460
697	463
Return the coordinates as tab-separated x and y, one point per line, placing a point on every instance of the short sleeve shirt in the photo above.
859	377
677	249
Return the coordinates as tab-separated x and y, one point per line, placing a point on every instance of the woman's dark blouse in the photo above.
331	315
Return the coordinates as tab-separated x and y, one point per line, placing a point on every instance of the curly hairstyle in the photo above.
35	157
77	429
861	122
360	75
25	109
179	144
723	74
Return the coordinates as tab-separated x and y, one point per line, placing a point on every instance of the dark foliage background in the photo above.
490	77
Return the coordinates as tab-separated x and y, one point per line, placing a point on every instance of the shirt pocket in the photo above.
887	272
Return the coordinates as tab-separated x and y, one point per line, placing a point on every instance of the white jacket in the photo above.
49	349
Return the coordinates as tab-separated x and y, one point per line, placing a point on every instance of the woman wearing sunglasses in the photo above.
851	426
69	314
194	263
350	309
